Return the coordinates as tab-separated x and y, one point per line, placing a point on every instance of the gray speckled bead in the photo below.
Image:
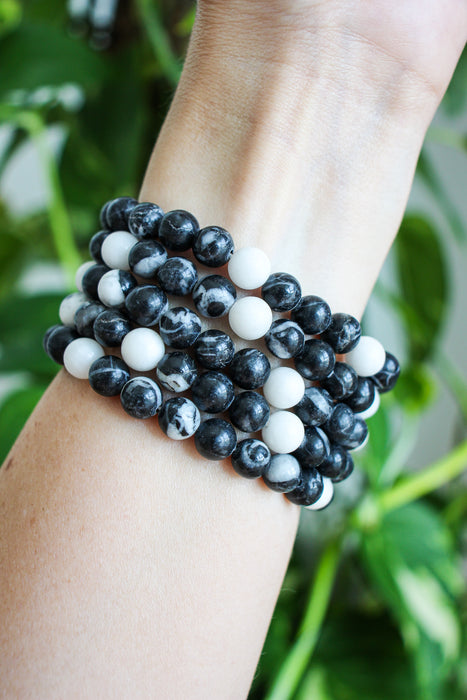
285	339
176	371
179	418
281	291
214	349
282	473
214	295
249	411
146	257
250	368
250	458
179	327
177	276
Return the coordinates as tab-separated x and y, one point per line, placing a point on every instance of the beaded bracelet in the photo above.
310	417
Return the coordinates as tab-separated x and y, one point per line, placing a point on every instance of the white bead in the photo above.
284	388
79	356
109	289
283	432
69	306
250	318
80	272
115	249
142	349
326	496
362	446
249	268
368	357
371	410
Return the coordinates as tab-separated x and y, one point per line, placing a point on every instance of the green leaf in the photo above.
14	412
416	389
373	458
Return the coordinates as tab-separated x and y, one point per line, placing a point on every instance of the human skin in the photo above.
129	566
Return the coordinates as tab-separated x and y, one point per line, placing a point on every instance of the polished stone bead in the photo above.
250	318
249	267
316	361
141	397
212	392
372	409
285	339
116	249
313	449
250	458
144	220
142	348
363	395
250	368
281	291
110	327
340	425
80	272
312	314
48	333
146	257
95	245
85	317
309	488
117	213
213	246
284	387
316	406
176	371
356	437
249	411
387	377
179	418
326	497
114	287
215	439
79	356
179	327
368	356
342	381
343	333
103	214
177	229
145	305
214	295
283	432
69	306
283	473
91	279
108	375
338	464
177	276
214	349
56	339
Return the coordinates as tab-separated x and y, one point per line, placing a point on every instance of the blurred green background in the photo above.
374	602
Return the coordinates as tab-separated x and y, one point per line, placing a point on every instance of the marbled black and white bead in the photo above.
312	314
95	245
249	411
144	220
213	296
281	291
79	356
313	449
85	317
215	439
343	333
214	349
316	361
212	392
357	437
283	473
114	287
108	375
213	246
146	257
363	395
91	279
387	377
115	213
250	458
338	464
69	306
110	327
327	494
341	423
176	371
179	327
179	418
142	349
141	397
309	488
250	368
145	305
342	381
116	249
316	406
80	272
177	229
285	339
177	276
56	340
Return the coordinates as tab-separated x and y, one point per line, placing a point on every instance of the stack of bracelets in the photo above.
308	400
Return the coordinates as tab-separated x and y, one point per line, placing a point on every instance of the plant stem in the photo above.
159	41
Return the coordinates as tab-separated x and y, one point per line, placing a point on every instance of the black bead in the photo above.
313	450
212	392
214	295
176	371
117	213
343	333
250	368
179	327
249	411
144	220
356	436
95	245
141	397
283	473
313	314
215	439
177	276
58	338
281	291
47	335
108	375
340	425
145	304
213	246
250	458
342	381
214	349
146	257
179	418
285	339
309	488
363	396
85	317
177	229
316	406
110	327
387	377
338	465
103	214
91	279
316	361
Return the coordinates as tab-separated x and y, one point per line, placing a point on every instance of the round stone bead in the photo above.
146	257
250	458
356	437
91	279
95	245
56	340
368	357
114	287
284	387
285	339
108	375
48	333
340	425
309	488
313	448
281	291
179	327
338	464
343	333
215	439
372	409
326	496
80	273
110	327
144	220
141	397
250	368
312	314
145	305
342	381
69	306
116	249
249	267
388	375
249	411
363	395
176	371
85	317
284	432
177	276
142	349
179	418
177	229
117	212
250	318
213	246
214	349
79	356
214	295
212	392
103	214
282	474
316	361
316	406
